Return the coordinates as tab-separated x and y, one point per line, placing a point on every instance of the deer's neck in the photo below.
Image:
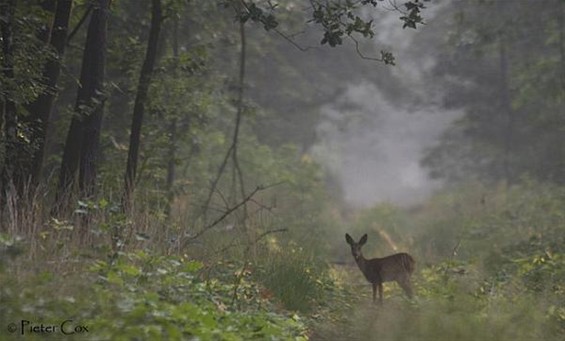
371	274
361	263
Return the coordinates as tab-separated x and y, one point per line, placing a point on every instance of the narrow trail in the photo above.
366	321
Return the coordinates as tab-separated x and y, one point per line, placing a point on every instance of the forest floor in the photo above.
505	282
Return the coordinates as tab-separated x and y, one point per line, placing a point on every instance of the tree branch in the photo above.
224	215
232	151
292	42
80	23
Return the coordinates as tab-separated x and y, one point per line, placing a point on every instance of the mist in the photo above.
372	140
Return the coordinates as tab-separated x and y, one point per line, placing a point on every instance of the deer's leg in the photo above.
374	292
380	293
406	286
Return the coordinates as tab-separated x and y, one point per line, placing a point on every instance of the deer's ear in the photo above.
348	239
363	240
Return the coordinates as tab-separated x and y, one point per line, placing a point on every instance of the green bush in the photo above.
142	296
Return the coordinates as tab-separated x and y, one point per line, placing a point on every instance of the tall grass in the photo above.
458	315
293	278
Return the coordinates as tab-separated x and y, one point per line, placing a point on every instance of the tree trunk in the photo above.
140	99
9	113
171	162
171	166
44	32
81	146
561	27
40	109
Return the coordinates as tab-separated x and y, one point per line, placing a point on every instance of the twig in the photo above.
216	180
361	55
264	234
261	236
455	249
262	206
80	23
239	276
232	151
237	168
224	215
451	258
292	42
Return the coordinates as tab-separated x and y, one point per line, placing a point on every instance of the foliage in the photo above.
143	296
471	219
336	18
511	101
490	266
455	300
29	54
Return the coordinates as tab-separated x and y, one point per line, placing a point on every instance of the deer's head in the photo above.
356	247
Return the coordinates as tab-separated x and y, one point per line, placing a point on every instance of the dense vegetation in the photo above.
157	179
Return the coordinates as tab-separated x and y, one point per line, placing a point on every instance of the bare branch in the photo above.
80	23
232	151
292	42
261	236
361	55
264	234
225	214
216	180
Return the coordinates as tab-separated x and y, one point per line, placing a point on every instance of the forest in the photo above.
189	169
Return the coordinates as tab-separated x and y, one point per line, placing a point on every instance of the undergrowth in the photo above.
497	274
490	266
143	296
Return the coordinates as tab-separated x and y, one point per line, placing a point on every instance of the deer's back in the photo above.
391	268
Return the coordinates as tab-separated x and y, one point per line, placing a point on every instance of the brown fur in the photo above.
398	267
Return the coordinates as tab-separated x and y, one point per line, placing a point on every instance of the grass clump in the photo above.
293	278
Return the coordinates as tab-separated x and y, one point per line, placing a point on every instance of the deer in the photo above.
398	267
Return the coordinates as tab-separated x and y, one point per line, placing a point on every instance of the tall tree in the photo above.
40	109
140	100
9	114
82	143
172	150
